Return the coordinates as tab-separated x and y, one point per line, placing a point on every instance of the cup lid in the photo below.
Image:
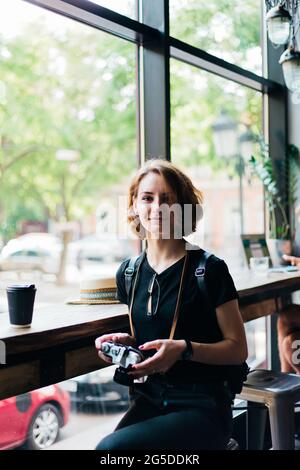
20	286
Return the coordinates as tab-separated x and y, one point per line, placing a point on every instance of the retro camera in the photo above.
124	355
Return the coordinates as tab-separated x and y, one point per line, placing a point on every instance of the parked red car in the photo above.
33	418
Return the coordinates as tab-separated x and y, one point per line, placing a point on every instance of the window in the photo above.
72	415
257	343
124	7
230	191
229	29
68	139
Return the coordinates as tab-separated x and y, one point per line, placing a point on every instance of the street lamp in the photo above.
229	144
283	22
225	136
290	61
278	24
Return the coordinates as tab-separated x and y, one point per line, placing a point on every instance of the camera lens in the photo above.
105	347
115	351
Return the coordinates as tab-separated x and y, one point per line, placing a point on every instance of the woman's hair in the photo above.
185	192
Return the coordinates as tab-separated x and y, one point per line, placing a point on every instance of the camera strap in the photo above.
179	296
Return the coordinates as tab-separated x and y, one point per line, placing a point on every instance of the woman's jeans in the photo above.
147	427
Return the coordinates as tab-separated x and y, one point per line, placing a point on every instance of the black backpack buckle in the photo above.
129	272
200	272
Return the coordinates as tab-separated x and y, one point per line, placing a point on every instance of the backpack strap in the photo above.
200	275
131	270
129	273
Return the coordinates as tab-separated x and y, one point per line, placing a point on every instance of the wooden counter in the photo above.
60	343
262	296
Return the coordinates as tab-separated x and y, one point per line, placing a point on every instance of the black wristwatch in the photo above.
188	352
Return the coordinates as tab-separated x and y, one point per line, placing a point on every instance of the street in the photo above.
85	430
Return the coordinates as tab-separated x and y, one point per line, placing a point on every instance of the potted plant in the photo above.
281	209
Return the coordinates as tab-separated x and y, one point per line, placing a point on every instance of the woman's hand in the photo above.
294	260
122	338
168	352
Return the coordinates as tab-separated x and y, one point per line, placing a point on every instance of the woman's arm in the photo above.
294	260
233	347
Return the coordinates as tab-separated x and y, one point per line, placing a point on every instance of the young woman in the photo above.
188	357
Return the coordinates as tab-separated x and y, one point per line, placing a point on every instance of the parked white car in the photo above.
100	248
41	252
32	252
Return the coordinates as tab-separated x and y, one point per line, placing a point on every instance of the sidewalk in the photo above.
88	439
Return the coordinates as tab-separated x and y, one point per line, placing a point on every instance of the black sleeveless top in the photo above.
197	321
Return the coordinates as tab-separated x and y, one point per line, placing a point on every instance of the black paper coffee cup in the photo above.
20	304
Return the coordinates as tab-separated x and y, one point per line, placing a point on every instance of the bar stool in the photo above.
278	392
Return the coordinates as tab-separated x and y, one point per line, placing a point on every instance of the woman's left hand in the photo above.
168	352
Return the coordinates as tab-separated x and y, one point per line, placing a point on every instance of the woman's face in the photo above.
154	198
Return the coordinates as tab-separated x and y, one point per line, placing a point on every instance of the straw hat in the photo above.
97	291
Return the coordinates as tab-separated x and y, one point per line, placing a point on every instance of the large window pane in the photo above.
124	7
230	190
257	343
229	29
198	98
67	148
72	415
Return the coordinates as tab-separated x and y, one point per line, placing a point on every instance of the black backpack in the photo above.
235	375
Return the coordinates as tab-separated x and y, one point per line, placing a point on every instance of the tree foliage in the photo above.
73	87
230	30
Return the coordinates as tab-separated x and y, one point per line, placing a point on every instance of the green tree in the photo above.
74	89
231	30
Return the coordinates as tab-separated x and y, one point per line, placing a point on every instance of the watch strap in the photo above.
188	352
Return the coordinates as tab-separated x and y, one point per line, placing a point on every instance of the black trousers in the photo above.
146	427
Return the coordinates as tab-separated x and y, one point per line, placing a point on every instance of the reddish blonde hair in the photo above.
185	192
